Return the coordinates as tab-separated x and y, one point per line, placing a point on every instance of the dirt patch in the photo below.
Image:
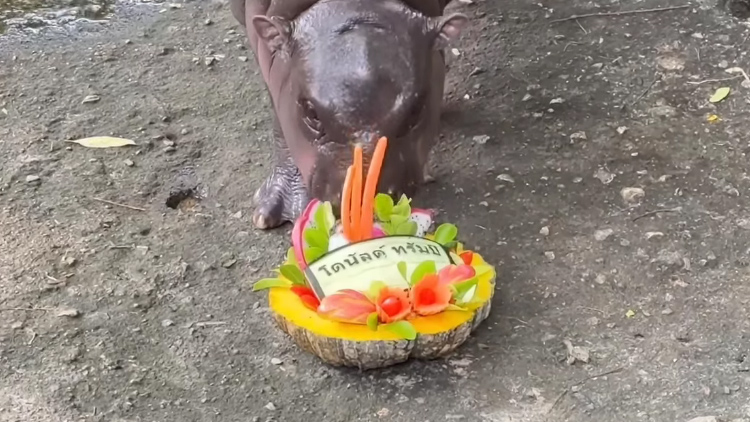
582	157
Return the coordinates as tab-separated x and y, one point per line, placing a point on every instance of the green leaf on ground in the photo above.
719	95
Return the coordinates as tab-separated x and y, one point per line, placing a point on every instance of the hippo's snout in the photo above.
400	175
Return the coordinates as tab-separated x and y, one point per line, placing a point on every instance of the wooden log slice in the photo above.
341	344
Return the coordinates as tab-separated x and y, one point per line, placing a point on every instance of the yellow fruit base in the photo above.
342	344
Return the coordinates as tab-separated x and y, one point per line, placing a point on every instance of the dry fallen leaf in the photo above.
719	95
103	142
630	313
713	118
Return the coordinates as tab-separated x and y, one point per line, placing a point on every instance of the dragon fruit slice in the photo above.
423	218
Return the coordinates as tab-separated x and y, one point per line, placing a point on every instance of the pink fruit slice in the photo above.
304	221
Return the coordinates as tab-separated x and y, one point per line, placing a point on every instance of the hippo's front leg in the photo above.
282	197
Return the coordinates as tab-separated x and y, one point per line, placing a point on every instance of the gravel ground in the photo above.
582	157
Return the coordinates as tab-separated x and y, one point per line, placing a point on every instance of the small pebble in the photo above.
167	323
550	255
632	195
578	136
128	162
276	361
651	235
602	235
604	176
544	231
667	311
32	178
270	406
69	313
506	178
481	139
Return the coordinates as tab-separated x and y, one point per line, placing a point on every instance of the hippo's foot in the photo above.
280	199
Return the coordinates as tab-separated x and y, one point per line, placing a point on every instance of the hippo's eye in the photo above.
310	117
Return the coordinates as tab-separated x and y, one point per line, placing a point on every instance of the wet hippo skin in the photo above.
341	73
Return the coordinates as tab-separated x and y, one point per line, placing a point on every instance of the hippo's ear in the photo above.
448	29
273	31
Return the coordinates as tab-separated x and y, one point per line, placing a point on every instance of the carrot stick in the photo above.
357	195
371	186
346	202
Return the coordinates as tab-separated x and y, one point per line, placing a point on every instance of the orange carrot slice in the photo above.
371	185
356	210
346	203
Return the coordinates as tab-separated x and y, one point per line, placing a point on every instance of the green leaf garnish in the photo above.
482	270
324	219
472	305
403	329
374	291
403	208
451	245
446	233
402	269
408	228
424	268
453	307
313	254
291	257
463	287
372	321
383	207
268	283
293	274
316	238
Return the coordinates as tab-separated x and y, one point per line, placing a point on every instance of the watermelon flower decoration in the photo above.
430	296
347	306
392	305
